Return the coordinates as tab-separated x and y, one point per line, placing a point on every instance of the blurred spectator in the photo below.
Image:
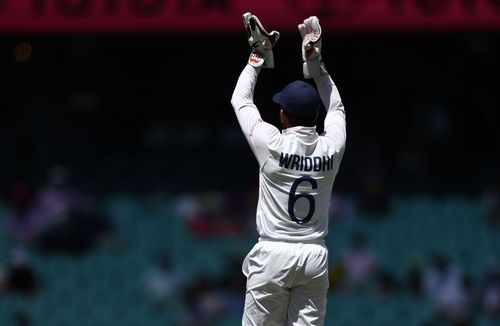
57	199
72	222
187	205
215	213
204	301
161	282
386	283
235	213
359	263
414	277
20	275
211	299
490	291
23	221
343	207
202	223
445	285
233	285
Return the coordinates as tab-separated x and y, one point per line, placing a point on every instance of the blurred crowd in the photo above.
53	218
456	298
57	218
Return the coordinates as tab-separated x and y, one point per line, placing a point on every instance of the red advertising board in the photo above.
118	16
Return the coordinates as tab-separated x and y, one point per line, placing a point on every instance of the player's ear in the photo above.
283	118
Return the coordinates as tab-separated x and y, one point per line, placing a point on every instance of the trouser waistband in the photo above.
313	241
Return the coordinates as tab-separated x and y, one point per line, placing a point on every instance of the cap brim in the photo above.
277	98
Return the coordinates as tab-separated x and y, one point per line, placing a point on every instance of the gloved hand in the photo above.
313	65
261	41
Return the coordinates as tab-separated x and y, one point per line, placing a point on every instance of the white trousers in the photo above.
287	284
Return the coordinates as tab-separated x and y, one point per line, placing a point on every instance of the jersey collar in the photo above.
307	132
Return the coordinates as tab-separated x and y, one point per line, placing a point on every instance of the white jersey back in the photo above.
295	186
297	166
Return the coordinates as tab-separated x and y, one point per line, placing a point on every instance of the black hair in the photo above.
295	120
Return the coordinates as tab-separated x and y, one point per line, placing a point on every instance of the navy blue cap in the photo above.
299	98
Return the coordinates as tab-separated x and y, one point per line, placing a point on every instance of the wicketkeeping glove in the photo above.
313	65
261	41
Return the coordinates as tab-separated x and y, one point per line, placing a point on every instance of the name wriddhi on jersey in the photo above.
306	163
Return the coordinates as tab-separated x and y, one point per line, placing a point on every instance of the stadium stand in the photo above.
103	287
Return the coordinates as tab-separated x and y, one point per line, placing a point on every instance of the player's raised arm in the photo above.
314	67
257	132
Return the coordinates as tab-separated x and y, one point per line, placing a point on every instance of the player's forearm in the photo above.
329	93
244	90
335	128
335	124
242	100
249	119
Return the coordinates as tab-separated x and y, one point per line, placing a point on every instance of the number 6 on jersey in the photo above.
294	197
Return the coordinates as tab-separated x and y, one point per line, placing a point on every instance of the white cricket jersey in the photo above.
297	166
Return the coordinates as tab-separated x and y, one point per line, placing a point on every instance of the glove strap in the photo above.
256	59
264	59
